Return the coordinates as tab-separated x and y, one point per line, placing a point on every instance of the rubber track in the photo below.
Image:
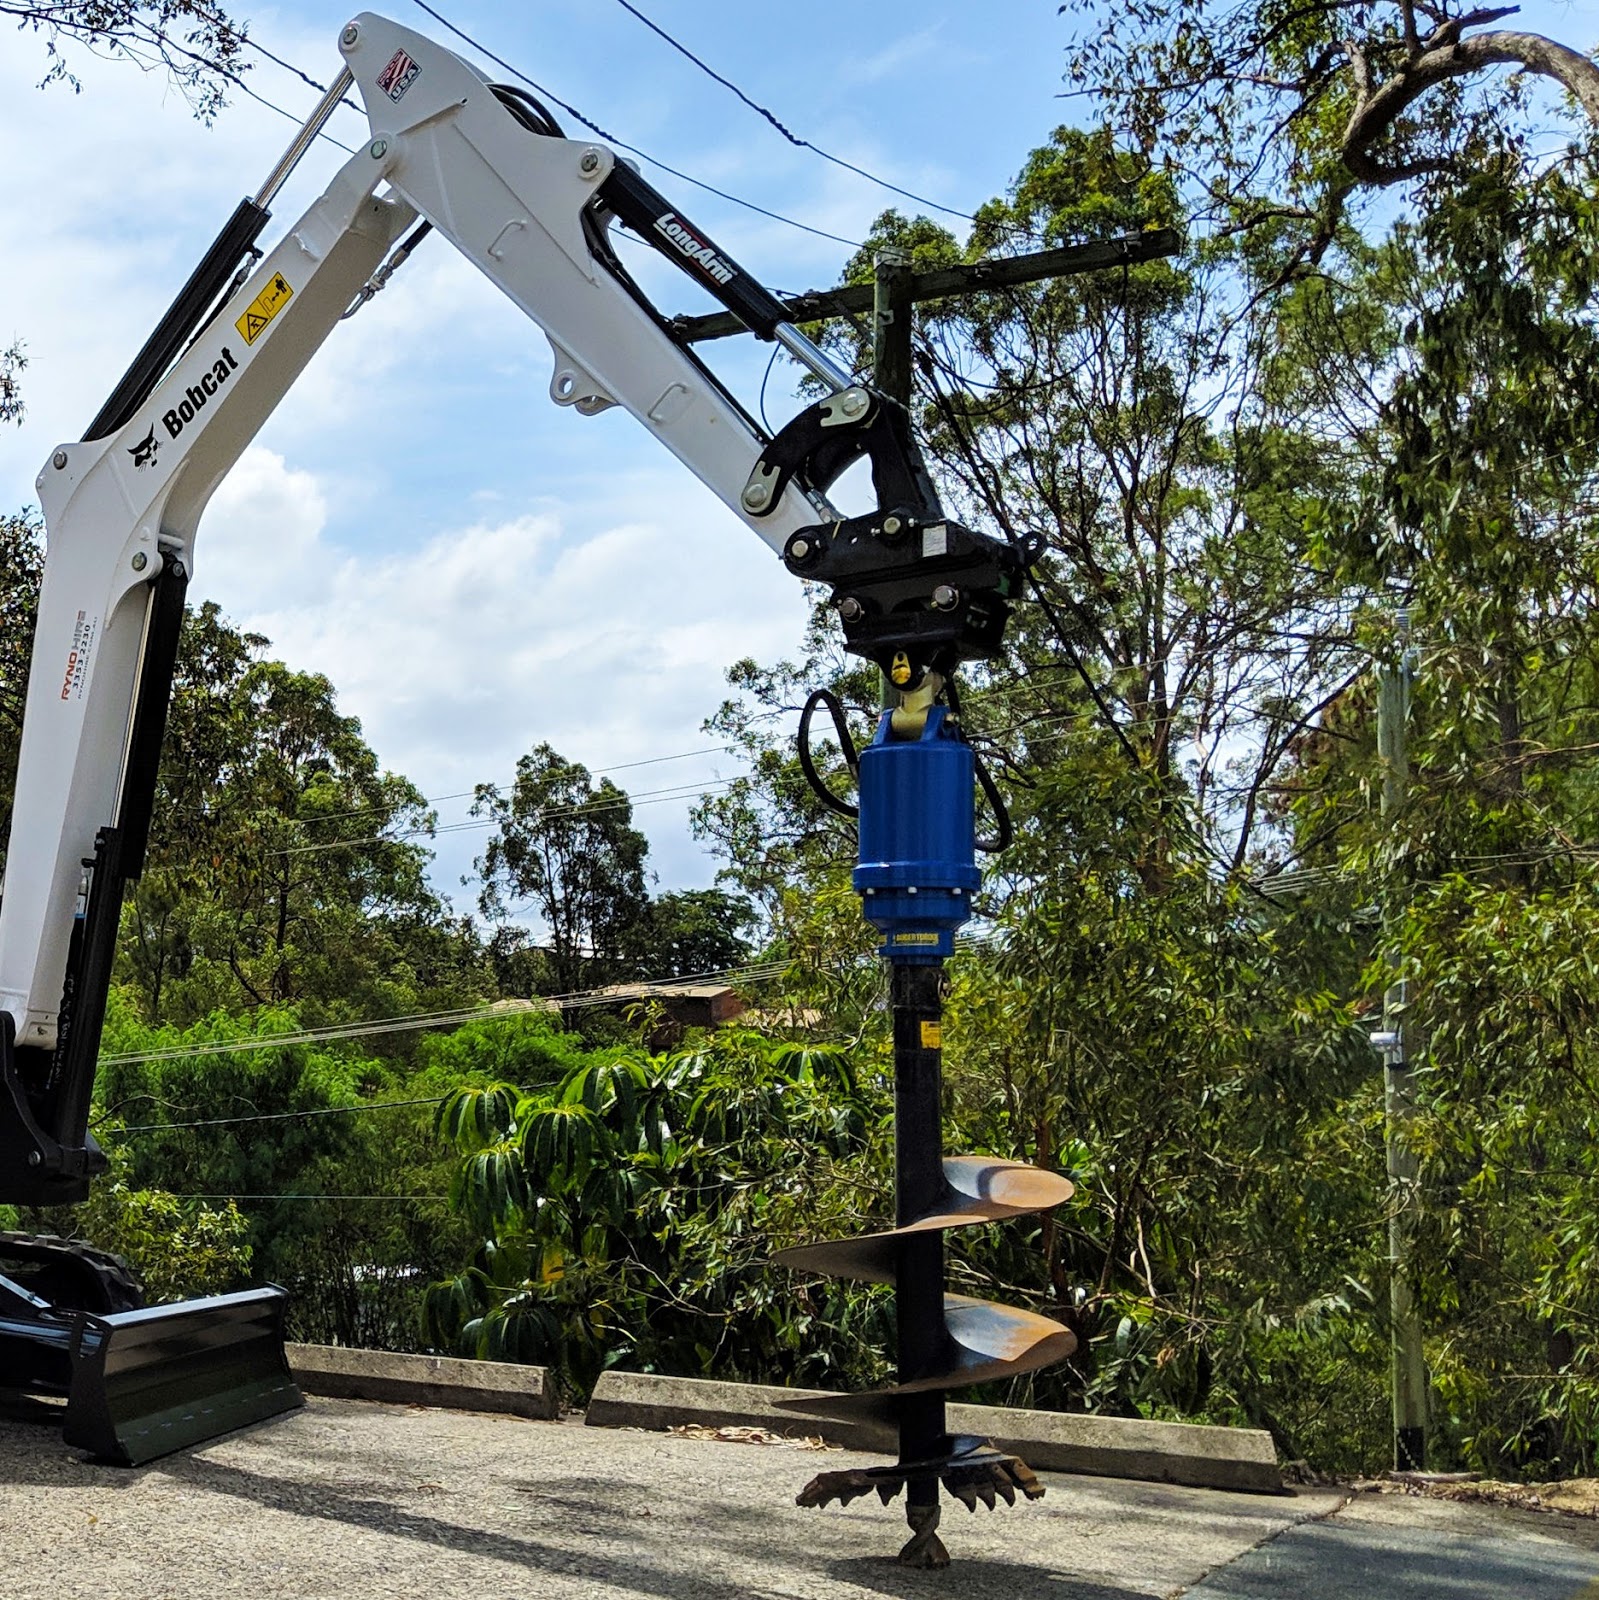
100	1282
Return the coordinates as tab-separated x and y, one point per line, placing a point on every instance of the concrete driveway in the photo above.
367	1502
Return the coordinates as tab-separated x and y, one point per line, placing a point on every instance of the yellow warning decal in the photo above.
918	939
932	1036
264	308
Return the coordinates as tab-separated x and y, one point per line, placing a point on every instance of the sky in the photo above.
475	569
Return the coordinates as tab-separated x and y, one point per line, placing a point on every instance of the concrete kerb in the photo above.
443	1381
1052	1441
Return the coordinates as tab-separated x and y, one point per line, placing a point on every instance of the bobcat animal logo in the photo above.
144	451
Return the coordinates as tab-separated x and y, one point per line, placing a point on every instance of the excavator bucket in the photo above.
145	1383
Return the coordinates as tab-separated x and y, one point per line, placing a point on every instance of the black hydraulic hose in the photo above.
528	109
846	744
1004	830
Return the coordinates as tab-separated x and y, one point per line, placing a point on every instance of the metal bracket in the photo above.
571	386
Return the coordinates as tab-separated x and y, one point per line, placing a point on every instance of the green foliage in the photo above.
12	363
628	1208
197	45
181	1249
344	1204
21	564
1278	116
688	932
274	877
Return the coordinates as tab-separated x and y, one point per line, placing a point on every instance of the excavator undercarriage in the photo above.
139	1381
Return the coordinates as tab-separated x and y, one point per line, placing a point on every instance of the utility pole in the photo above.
892	296
943	283
1409	1371
892	313
893	321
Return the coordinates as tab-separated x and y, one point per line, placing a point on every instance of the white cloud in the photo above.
473	568
261	535
607	638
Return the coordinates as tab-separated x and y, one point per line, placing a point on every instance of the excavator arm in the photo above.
487	168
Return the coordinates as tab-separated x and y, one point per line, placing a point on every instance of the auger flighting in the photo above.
916	875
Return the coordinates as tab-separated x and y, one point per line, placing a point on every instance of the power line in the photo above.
650	797
158	37
278	1116
415	1199
573	1000
621	144
468	794
788	133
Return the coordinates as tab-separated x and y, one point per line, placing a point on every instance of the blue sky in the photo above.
475	569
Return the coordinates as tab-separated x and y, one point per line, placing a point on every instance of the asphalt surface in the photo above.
347	1499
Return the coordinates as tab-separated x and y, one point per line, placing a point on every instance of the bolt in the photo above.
140	561
852	403
589	162
380	148
800	550
945	598
58	460
34	1158
350	35
755	496
893	527
850	609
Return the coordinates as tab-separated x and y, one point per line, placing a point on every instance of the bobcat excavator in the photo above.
487	167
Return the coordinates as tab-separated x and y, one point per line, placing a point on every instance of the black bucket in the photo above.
145	1383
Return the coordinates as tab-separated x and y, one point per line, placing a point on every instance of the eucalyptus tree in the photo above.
285	864
1282	115
565	848
196	44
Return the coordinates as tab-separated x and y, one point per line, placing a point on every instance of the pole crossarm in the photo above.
970	277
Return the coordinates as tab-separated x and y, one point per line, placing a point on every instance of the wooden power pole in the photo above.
1409	1370
895	290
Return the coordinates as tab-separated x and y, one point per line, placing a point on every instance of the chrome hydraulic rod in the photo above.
309	129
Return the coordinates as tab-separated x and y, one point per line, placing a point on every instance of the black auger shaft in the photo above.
919	1186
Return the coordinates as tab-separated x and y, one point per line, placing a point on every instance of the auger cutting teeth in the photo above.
973	1471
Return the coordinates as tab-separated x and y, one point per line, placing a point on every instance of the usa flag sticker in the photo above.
398	76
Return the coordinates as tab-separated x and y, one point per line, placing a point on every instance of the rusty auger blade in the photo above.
946	1341
985	1341
978	1189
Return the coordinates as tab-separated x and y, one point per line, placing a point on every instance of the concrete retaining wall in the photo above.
1110	1447
423	1380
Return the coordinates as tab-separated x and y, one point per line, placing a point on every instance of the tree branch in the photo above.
1445	54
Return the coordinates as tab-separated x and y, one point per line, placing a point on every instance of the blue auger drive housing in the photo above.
918	827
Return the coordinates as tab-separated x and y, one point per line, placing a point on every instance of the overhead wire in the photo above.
788	133
573	1000
392	1199
468	794
650	797
159	37
621	144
